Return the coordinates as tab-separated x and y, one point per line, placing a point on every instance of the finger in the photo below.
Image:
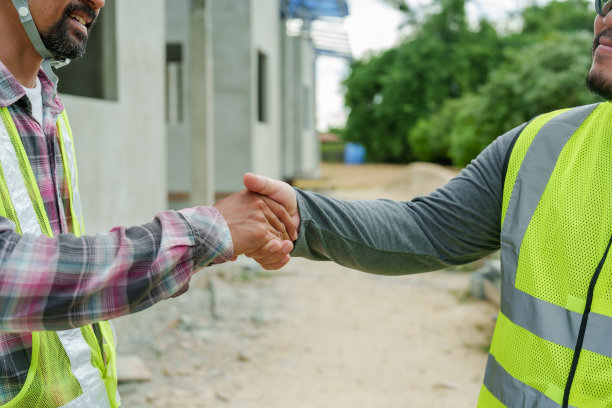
283	216
272	252
261	185
275	189
266	254
287	247
272	247
276	265
275	227
270	259
278	191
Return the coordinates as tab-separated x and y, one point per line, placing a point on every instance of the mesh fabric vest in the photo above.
552	344
72	368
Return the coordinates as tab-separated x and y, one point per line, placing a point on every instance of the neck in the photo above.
16	51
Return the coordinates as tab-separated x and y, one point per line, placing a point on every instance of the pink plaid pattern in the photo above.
65	282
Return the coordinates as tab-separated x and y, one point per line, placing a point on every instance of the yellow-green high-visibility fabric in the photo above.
71	368
551	346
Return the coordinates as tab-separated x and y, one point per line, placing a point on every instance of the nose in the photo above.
96	4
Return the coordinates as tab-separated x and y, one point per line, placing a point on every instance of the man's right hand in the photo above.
259	226
278	191
283	194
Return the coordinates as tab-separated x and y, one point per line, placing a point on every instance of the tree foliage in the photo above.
449	89
389	93
536	79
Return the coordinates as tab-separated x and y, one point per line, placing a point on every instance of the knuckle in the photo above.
258	217
260	234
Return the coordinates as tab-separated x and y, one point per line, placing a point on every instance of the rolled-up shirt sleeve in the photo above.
67	281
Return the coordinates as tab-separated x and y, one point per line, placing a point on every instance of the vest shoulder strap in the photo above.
564	121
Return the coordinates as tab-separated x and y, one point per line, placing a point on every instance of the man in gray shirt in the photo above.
541	193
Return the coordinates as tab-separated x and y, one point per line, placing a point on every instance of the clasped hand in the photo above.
263	220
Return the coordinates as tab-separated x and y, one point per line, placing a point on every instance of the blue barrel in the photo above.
354	153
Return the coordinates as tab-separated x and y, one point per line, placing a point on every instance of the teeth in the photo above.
79	19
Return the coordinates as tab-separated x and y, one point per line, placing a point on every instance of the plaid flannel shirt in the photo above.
66	282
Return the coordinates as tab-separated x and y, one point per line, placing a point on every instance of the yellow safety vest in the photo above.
552	344
69	368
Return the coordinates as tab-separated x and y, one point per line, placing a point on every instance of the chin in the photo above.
599	81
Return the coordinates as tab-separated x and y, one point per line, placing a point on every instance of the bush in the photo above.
332	152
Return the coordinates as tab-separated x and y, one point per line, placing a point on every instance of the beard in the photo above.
599	81
63	42
600	84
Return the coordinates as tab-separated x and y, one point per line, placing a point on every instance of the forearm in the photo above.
64	282
384	237
456	224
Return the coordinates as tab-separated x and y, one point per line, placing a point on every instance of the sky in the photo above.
372	26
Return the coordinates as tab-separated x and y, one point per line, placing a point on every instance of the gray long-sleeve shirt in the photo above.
456	224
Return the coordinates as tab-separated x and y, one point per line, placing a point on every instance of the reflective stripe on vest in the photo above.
88	376
26	199
68	158
25	207
524	317
26	217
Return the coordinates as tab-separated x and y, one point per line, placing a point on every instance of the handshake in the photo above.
263	220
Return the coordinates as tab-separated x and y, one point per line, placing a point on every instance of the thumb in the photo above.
254	183
274	189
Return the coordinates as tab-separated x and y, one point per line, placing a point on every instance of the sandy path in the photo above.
356	340
315	335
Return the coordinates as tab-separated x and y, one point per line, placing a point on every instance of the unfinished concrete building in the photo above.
188	97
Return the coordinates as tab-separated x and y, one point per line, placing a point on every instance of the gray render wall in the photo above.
120	145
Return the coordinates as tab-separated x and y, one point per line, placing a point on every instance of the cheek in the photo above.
45	12
598	24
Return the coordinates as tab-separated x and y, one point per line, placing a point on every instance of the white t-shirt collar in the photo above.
35	97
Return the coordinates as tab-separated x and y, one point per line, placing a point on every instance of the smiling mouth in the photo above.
79	19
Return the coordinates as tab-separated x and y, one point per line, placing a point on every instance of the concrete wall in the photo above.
290	125
300	151
241	30
309	149
201	103
121	145
266	148
232	98
191	142
179	128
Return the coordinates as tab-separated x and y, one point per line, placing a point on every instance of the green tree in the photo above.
363	95
389	93
536	79
557	16
448	89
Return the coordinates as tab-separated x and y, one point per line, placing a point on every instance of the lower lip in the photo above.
603	51
604	48
80	26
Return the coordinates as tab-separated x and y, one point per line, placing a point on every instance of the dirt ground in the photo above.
315	334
